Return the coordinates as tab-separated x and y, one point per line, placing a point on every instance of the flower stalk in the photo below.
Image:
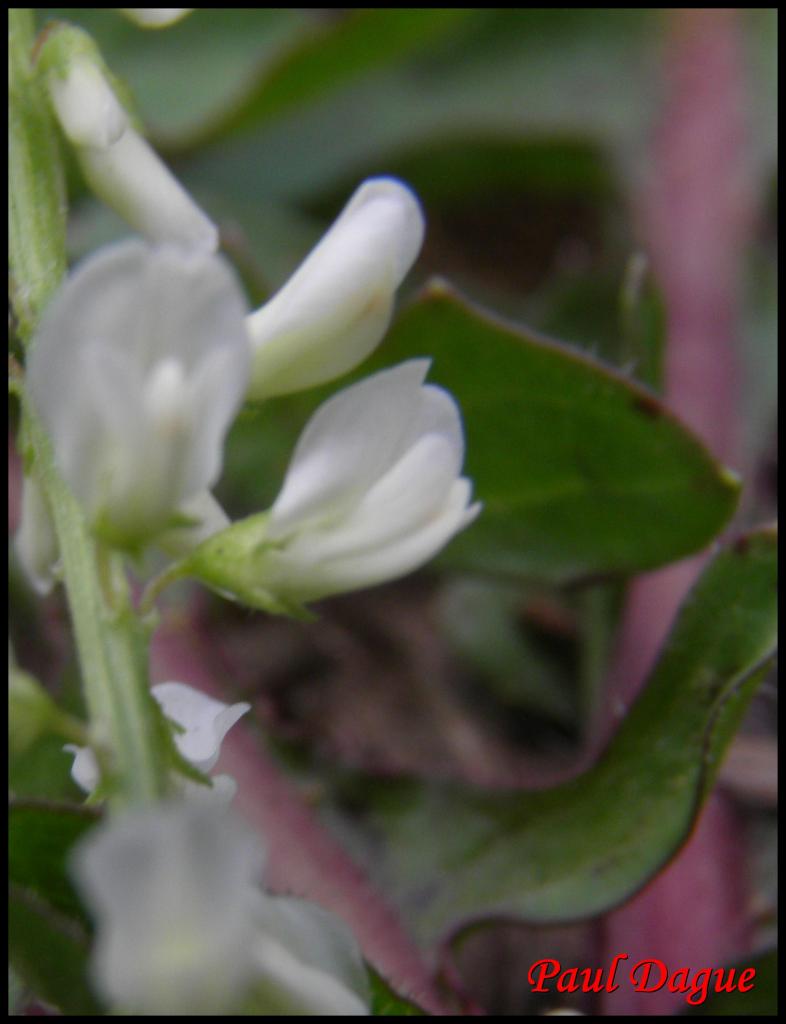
111	644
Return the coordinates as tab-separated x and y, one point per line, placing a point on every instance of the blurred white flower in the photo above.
35	541
138	368
373	489
182	927
155	17
118	164
202	723
337	305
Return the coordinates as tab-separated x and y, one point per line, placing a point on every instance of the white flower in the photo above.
138	368
336	307
204	723
119	165
373	490
182	927
155	17
36	543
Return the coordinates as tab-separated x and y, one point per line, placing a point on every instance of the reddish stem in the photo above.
696	219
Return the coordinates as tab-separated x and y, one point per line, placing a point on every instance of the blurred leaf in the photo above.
760	1001
335	52
581	848
385	1002
643	318
49	933
580	470
191	72
43	771
481	621
41	835
502	74
459	170
49	951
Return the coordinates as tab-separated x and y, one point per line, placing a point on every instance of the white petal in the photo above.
324	969
84	770
291	987
86	107
394	213
411	494
438	414
223	789
133	180
36	542
335	308
348	444
309	580
206	721
155	17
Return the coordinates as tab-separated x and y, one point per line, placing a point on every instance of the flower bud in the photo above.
35	542
118	164
137	370
154	17
337	305
373	491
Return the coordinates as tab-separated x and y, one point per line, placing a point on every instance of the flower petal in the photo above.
84	770
337	305
206	721
35	542
348	444
313	578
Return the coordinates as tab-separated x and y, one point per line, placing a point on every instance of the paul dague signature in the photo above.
644	976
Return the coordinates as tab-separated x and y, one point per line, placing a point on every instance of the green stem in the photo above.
127	729
159	583
111	643
36	194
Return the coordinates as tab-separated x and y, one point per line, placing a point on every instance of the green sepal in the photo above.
232	563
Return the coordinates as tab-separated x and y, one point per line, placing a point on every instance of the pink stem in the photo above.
696	218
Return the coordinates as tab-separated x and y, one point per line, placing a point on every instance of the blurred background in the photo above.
570	163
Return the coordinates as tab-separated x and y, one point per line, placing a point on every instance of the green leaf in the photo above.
49	931
580	848
385	1002
41	833
760	1001
332	54
580	470
49	951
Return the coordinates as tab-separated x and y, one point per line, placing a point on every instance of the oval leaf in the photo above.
49	932
581	470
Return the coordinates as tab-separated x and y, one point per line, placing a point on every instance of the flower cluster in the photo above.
145	355
138	368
